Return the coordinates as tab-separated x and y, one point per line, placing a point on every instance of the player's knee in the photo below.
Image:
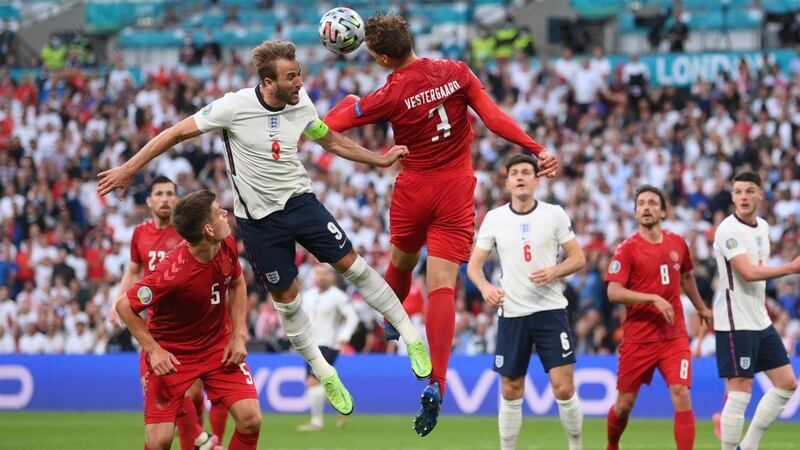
790	384
563	391
681	397
156	441
250	423
624	405
512	390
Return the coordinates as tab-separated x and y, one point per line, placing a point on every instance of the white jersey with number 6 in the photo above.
526	242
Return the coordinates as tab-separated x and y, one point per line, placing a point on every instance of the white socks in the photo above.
732	418
316	396
509	421
571	415
298	329
768	409
381	298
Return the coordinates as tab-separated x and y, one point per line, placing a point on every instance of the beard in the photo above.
287	96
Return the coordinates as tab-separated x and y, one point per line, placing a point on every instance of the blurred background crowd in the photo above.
63	249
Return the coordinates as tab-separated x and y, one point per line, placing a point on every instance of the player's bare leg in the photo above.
316	396
398	277
247	417
784	384
684	428
298	330
509	418
569	405
732	418
618	417
158	436
381	298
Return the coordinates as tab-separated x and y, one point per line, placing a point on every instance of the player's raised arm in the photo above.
343	146
751	272
236	350
120	177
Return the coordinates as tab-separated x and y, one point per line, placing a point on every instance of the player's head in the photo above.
651	206
162	197
198	217
388	39
521	180
279	71
324	277
746	193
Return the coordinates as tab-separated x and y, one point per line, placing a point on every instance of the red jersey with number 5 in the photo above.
150	245
643	266
187	299
426	103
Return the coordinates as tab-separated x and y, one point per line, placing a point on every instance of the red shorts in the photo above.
439	211
163	395
638	361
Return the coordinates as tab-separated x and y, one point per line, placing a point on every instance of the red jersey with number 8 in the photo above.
187	299
643	266
150	245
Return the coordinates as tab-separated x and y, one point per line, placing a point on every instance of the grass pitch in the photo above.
112	431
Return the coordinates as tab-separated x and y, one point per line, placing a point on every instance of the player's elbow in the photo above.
613	293
122	306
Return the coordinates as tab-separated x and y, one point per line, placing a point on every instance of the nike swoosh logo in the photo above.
564	355
272	135
345	242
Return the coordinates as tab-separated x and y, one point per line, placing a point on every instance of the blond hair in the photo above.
265	55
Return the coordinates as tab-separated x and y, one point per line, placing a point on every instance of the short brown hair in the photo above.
748	176
522	159
265	55
388	34
652	189
191	214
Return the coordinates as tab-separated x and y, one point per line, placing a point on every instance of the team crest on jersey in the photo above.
758	241
674	256
498	361
274	122
207	109
731	243
744	362
525	228
614	267
145	295
273	277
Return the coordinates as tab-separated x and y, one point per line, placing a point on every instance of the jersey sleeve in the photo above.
354	112
217	114
486	239
729	243
135	256
620	268
149	291
686	264
564	232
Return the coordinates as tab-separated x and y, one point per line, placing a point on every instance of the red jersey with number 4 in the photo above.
643	266
187	299
426	103
150	245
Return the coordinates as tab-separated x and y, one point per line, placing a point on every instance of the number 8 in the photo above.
664	274
684	369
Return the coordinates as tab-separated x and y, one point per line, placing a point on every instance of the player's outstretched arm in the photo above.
491	294
689	286
342	116
161	361
236	350
120	177
617	293
574	262
343	146
751	272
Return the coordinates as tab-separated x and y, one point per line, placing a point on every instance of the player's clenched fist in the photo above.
162	362
493	296
394	154
665	308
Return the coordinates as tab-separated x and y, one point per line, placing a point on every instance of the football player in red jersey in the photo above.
647	274
426	102
195	331
151	242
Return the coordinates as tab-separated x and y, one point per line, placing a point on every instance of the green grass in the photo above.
110	431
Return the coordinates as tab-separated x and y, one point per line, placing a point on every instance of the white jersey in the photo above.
527	242
326	311
740	305
260	148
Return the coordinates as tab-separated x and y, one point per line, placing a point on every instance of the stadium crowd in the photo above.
63	249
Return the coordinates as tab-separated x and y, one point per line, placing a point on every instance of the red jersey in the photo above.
426	103
642	266
150	245
189	314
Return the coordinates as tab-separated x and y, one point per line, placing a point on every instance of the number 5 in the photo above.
215	299
247	377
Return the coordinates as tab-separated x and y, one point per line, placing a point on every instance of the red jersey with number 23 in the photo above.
150	245
643	266
188	300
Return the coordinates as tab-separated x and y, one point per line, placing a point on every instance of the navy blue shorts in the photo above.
516	336
270	242
329	354
743	353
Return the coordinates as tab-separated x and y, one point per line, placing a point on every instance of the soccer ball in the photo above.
341	30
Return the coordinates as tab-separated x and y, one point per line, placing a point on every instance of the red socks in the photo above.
218	417
616	426
242	441
440	326
684	429
188	429
398	280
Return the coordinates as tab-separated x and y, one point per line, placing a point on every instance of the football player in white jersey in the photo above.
274	203
747	343
334	319
527	234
